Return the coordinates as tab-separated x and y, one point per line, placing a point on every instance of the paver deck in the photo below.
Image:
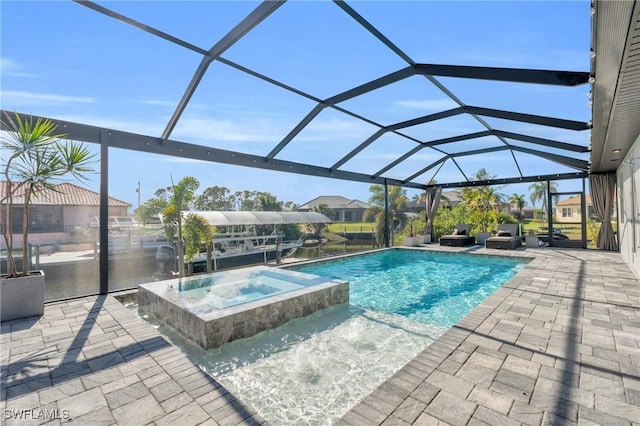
558	344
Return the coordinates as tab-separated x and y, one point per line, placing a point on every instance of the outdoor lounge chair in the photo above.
507	238
459	238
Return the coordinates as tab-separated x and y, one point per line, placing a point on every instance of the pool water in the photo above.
430	287
312	370
237	287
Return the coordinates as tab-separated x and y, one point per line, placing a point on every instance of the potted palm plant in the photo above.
34	159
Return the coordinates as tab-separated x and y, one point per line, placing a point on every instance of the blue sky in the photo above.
63	60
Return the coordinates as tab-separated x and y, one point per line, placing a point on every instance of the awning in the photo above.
228	218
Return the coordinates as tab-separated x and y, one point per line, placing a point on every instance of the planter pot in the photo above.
22	297
424	239
532	241
410	241
481	237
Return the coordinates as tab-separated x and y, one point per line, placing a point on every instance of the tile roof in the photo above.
335	202
67	194
574	200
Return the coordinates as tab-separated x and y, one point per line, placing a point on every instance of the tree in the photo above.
317	228
35	160
245	200
268	202
217	198
397	201
290	206
183	195
150	208
482	202
164	193
371	213
539	193
419	200
196	232
181	199
518	201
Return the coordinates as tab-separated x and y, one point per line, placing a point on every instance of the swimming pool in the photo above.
311	370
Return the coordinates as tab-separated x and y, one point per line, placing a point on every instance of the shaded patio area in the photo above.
558	344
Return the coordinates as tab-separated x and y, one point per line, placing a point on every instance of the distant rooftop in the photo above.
334	202
66	194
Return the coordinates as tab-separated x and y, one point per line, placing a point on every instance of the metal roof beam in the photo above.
357	91
560	159
373	30
426	169
148	144
542	141
293	133
371	85
427	118
515	75
259	14
507	181
122	18
528	118
430	144
267	79
359	148
398	160
479	151
458	138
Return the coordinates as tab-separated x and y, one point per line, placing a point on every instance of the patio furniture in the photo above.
459	238
507	238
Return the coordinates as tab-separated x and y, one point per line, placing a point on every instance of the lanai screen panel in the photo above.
329	137
233	110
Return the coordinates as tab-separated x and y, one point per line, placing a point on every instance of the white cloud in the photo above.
11	68
335	129
157	102
427	104
147	128
227	130
13	98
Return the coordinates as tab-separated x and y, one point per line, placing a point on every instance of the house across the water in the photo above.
54	215
344	209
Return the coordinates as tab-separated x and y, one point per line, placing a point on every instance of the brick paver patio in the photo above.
558	344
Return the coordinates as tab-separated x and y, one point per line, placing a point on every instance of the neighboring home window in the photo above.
566	212
47	219
347	216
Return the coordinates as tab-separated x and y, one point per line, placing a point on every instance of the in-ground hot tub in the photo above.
217	308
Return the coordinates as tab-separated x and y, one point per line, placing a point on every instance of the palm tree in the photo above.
518	201
419	200
183	195
196	231
397	201
539	193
